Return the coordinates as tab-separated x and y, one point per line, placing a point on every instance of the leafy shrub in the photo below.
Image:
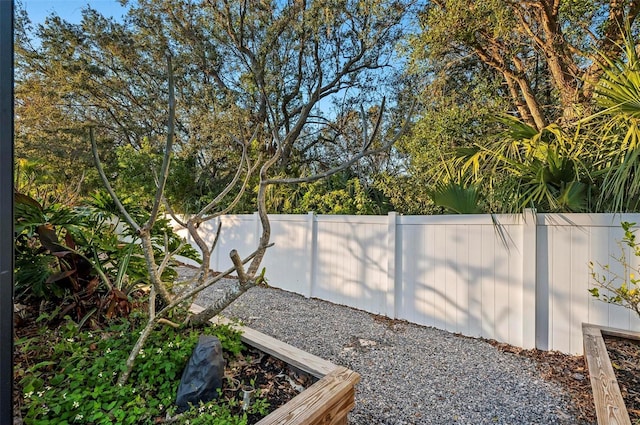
84	258
621	289
229	339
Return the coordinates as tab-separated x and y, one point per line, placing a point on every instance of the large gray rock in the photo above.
202	377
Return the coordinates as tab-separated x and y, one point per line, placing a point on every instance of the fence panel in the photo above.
239	232
351	261
463	274
288	262
572	241
524	281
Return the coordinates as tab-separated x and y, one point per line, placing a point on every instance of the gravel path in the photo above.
410	374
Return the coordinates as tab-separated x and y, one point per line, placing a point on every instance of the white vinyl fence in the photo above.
519	279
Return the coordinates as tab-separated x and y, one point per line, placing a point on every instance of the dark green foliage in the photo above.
79	386
456	198
341	193
83	259
230	339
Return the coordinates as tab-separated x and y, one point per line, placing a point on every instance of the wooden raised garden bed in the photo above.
610	407
326	402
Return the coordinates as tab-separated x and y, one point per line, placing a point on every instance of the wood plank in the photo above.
620	333
302	360
610	407
326	402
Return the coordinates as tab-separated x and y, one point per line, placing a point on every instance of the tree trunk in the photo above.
156	279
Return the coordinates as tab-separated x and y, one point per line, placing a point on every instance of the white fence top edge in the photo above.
542	219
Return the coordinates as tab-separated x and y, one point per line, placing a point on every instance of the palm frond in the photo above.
455	197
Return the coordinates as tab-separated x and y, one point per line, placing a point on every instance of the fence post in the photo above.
393	291
311	244
529	278
6	212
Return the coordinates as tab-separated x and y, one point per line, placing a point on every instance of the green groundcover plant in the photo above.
69	376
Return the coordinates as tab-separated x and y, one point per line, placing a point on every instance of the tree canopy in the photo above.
243	70
306	79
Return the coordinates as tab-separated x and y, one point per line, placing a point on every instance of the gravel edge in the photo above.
410	374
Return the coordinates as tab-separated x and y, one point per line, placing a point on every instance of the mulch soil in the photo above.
273	380
625	355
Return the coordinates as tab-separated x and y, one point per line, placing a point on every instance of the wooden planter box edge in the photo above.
326	402
610	407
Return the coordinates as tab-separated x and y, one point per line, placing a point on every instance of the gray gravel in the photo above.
410	374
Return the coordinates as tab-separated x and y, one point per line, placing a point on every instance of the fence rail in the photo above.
519	279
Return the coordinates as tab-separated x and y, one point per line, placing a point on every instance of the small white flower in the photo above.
90	335
142	353
69	339
161	407
76	404
64	396
108	351
170	344
29	394
40	393
100	375
159	351
79	417
47	388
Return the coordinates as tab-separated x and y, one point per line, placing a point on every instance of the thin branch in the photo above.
168	148
240	193
107	185
217	237
146	332
231	184
365	152
172	213
168	255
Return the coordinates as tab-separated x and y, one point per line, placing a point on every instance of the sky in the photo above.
70	10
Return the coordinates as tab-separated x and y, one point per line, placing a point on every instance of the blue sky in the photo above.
69	10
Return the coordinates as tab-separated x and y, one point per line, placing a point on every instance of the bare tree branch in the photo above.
107	185
166	160
366	151
146	332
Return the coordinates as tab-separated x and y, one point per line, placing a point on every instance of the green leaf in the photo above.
456	198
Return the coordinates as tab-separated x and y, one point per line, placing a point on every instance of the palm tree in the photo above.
590	165
526	168
457	198
617	154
